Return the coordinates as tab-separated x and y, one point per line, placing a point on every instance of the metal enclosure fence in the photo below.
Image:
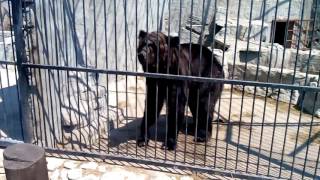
70	81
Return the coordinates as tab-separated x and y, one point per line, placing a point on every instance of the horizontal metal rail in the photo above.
8	63
175	77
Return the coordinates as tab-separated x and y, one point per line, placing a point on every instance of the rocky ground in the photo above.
60	168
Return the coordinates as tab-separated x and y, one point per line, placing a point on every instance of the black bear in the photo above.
158	53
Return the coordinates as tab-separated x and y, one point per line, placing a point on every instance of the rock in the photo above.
70	165
285	94
112	175
249	74
305	60
311	102
3	177
2	134
90	177
186	178
64	174
119	174
74	174
1	159
54	163
102	169
219	56
162	176
89	165
55	175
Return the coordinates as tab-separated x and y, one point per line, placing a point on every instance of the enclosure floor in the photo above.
257	140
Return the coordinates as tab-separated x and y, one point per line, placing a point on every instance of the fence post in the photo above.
23	84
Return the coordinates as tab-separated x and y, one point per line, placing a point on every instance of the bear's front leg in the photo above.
153	105
176	106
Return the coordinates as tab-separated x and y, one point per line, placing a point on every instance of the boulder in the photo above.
81	106
311	102
241	72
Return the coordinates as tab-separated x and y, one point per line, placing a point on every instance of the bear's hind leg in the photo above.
202	108
176	106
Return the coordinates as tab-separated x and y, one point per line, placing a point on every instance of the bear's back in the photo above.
206	63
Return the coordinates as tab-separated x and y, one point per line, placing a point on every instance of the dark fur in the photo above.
155	45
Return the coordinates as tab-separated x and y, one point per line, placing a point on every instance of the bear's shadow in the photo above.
131	130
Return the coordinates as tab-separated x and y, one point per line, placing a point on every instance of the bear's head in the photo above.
153	49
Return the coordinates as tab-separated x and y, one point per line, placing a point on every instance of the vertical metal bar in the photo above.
5	116
223	56
73	33
309	133
39	80
179	49
86	63
317	164
31	50
188	91
116	60
316	96
97	78
51	75
51	107
136	70
26	123
211	68
146	99
198	90
167	89
27	20
244	75
47	89
234	64
126	63
157	86
107	67
303	95
177	98
209	94
58	72
65	27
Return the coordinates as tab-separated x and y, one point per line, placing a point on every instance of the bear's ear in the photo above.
142	34
174	41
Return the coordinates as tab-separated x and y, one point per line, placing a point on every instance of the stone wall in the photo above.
203	13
